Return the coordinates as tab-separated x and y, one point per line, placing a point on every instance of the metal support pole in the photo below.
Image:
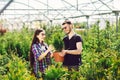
51	22
47	7
77	5
87	17
116	14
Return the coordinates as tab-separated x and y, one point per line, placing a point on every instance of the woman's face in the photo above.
41	36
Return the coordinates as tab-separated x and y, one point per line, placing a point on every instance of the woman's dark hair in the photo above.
34	41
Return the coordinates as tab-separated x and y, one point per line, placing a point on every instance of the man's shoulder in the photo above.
65	37
77	36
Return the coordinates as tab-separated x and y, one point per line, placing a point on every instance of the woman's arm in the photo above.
45	53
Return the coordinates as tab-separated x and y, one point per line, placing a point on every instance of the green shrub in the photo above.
55	73
18	70
57	41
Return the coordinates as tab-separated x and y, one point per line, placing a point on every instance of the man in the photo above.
73	47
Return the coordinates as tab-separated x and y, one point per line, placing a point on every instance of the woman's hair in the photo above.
34	41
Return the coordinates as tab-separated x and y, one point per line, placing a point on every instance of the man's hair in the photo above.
66	22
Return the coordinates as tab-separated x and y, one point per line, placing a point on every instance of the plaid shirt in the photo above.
40	65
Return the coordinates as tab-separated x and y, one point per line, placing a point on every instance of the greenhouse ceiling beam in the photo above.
97	8
105	4
30	7
72	6
86	15
9	2
57	9
94	2
50	7
23	14
30	14
22	4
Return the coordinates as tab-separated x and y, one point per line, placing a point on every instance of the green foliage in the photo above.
55	73
4	60
80	25
99	66
14	68
50	32
18	70
16	42
100	56
57	41
58	44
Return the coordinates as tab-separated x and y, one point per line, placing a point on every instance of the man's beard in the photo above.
69	31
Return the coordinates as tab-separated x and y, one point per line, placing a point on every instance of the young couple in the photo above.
40	52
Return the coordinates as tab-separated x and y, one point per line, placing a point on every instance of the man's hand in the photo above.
63	52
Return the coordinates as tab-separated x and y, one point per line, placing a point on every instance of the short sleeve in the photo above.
36	51
78	39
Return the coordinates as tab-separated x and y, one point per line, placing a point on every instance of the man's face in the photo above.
66	28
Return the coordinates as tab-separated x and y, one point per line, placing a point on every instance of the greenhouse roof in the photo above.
31	10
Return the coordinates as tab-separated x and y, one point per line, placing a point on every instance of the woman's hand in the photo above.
50	48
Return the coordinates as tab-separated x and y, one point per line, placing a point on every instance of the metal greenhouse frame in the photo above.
54	11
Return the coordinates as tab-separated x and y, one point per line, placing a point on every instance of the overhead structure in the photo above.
5	6
56	10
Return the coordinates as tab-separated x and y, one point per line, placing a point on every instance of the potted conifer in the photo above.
58	45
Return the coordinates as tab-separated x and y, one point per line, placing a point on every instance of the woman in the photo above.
39	53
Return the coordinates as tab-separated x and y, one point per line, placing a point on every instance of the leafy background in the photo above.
100	56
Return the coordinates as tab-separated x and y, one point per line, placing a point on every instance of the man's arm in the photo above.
74	52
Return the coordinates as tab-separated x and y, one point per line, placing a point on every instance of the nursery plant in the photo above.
17	69
55	72
58	46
